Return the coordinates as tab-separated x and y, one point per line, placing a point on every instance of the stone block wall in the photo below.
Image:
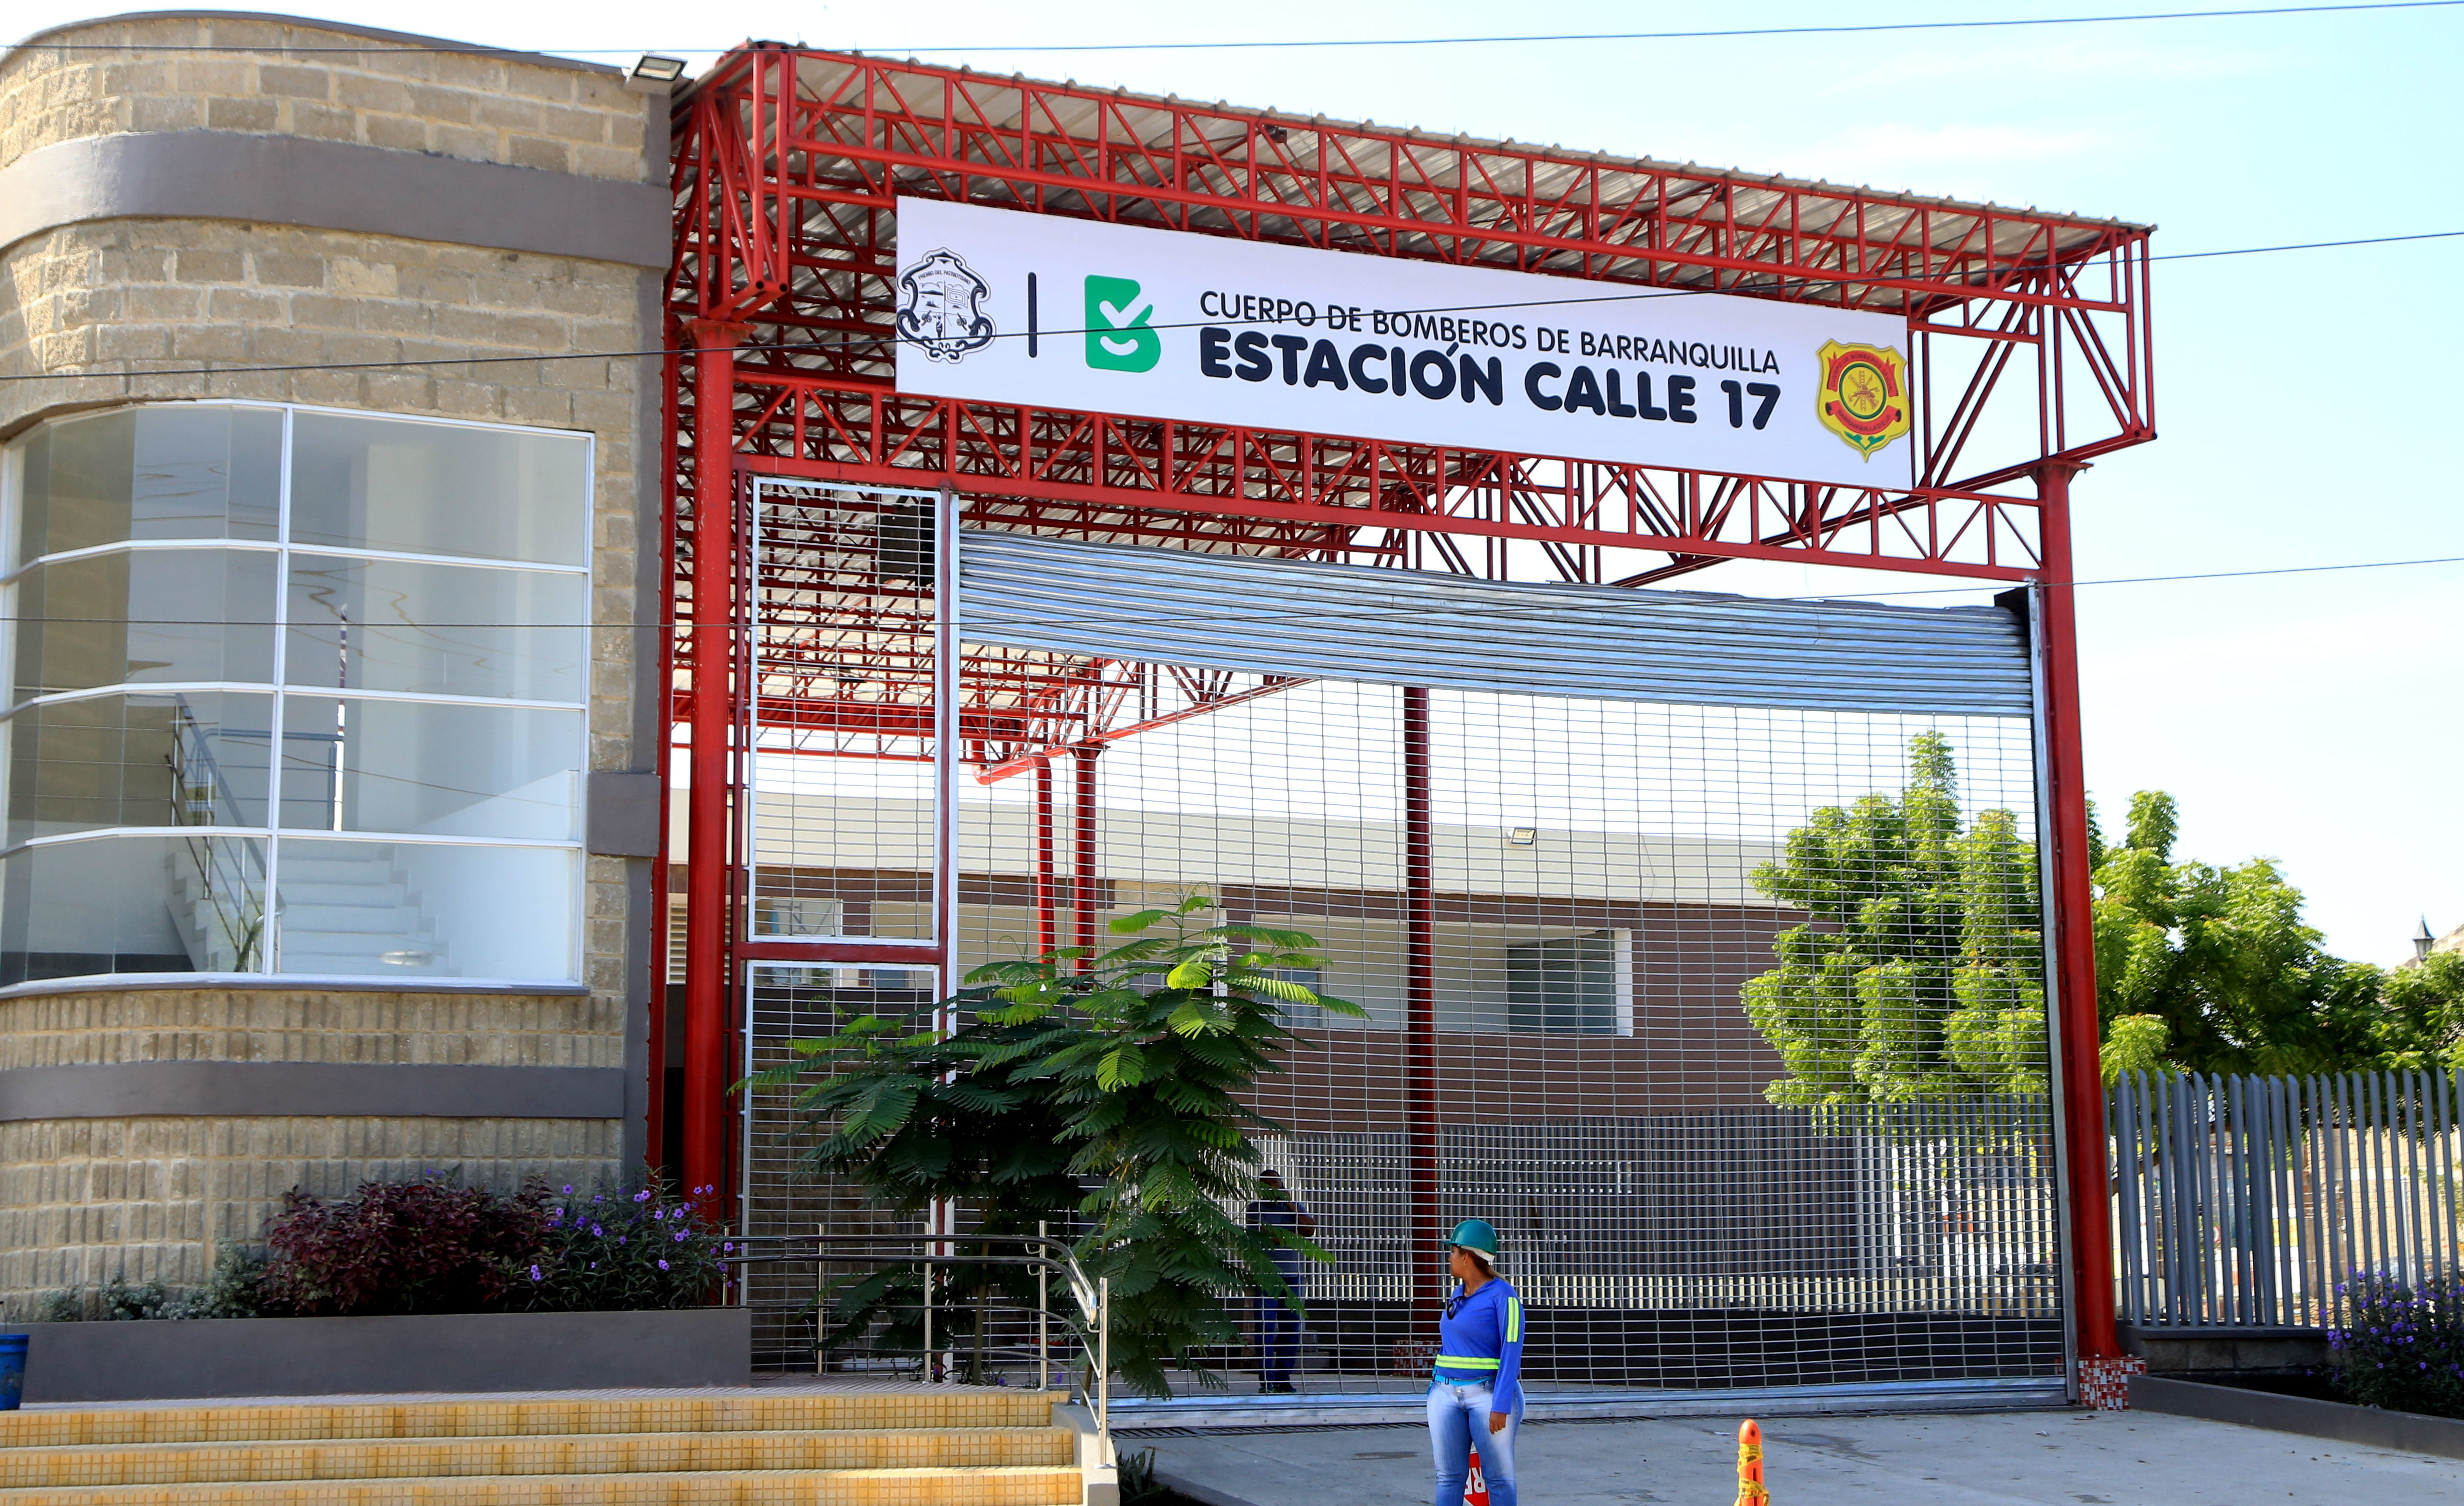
143	1197
337	87
104	312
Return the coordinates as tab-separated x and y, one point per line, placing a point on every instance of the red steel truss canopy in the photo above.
2028	333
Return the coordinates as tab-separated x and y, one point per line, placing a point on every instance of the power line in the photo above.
1999	23
2145	580
2312	245
1708	34
891	336
1549	611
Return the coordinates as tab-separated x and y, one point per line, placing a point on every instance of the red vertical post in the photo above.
1082	862
2089	1191
706	1074
1046	934
1421	1005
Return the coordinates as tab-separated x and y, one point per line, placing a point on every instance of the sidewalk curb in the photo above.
2403	1433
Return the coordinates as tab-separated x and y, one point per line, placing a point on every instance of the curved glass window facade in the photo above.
292	691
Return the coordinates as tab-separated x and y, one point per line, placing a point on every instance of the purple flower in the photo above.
727	1249
643	1196
596	1232
680	1236
620	1239
599	1197
662	1265
535	1276
658	1213
568	1192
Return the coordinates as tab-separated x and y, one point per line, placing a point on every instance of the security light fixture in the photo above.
1522	837
654	73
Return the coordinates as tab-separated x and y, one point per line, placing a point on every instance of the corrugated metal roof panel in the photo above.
1344	622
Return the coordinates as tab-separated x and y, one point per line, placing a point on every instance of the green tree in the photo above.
2209	969
1136	1071
915	1117
1919	973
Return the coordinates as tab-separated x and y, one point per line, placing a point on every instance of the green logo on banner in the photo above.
1118	337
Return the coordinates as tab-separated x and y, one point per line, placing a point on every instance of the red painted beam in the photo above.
707	972
2078	1038
1083	884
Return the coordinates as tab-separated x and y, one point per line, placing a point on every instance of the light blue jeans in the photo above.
1459	1414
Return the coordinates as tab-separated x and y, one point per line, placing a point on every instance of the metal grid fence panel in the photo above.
1550	910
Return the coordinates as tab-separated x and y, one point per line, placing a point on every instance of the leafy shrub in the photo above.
423	1246
234	1290
611	1249
1076	1071
113	1300
62	1307
426	1246
1138	1476
2403	1347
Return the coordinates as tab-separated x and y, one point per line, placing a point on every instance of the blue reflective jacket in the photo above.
1482	1340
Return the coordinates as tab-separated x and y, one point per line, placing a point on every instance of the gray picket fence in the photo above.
2248	1202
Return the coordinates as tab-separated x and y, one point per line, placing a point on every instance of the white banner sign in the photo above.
998	305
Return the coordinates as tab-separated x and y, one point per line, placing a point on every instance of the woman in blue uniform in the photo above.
1476	1393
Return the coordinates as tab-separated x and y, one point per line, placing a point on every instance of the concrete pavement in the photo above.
2040	1458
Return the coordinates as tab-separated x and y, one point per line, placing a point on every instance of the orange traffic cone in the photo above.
1474	1484
1749	1466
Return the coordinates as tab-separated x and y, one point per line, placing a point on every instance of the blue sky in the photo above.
2308	402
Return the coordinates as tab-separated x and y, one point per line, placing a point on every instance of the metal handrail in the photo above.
217	870
1041	1252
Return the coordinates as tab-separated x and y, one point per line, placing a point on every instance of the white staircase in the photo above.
354	916
342	915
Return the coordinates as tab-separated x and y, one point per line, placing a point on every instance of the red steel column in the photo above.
1082	862
1047	936
1421	1006
706	1074
2089	1191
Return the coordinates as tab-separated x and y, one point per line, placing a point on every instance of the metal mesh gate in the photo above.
1553	906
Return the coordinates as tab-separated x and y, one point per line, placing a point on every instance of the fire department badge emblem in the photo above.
1864	394
940	307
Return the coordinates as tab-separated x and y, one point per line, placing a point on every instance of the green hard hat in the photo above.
1476	1234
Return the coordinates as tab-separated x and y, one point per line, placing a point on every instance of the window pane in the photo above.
137	761
414	910
441	629
431	771
375	483
1562	988
168	471
132	905
159	615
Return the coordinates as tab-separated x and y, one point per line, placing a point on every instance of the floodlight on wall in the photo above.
654	73
1522	837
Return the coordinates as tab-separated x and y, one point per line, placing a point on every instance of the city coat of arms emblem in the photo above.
1864	394
940	307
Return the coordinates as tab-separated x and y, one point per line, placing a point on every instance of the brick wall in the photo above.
455	104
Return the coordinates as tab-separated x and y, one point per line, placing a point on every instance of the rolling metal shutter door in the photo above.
1345	622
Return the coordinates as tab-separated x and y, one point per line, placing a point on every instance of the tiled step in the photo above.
288	1421
596	1453
999	1485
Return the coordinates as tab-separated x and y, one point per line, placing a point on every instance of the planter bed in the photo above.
159	1359
2405	1432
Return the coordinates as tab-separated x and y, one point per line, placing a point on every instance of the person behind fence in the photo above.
1279	1327
1475	1390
